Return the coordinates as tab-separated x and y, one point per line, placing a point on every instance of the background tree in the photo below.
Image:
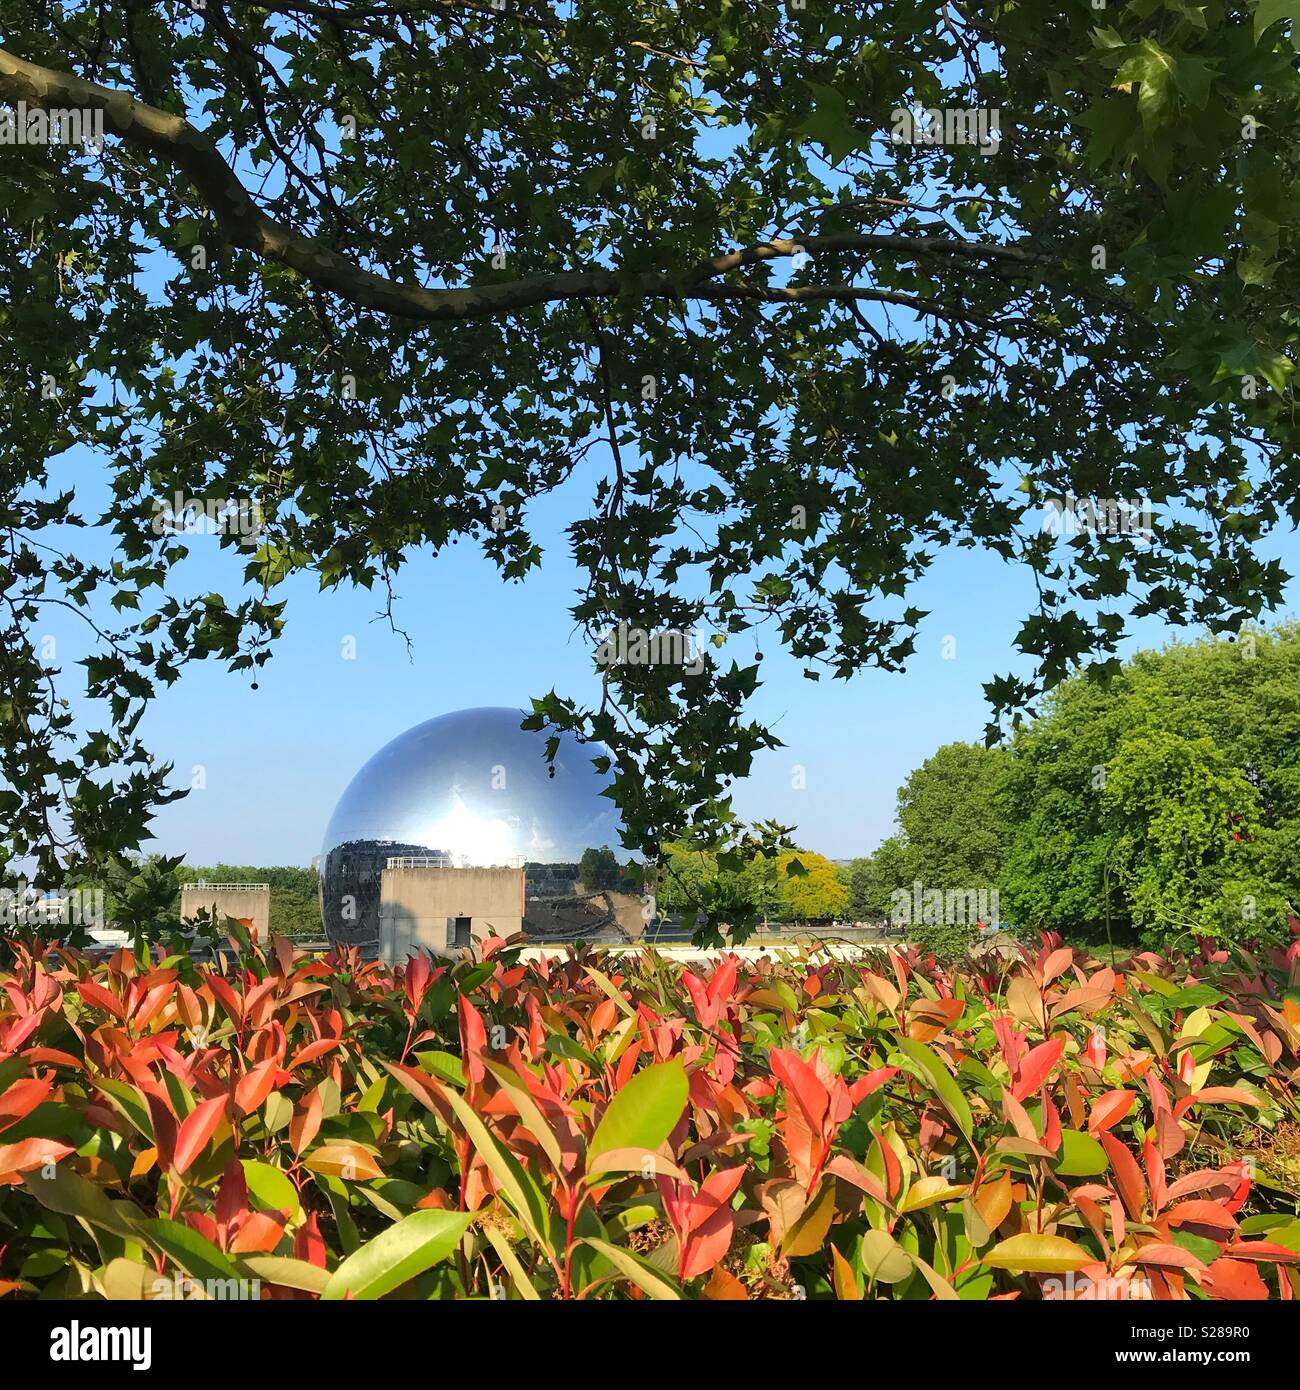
856	876
599	868
1173	795
951	818
892	867
393	273
810	889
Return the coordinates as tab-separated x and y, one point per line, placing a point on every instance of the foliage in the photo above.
893	865
951	820
856	876
810	887
789	886
605	1126
1173	796
669	247
599	868
952	835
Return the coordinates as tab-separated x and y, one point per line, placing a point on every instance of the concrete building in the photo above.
426	905
249	901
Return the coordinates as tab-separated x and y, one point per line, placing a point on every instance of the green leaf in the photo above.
71	1195
1081	1156
648	1279
414	1244
883	1260
642	1115
446	1066
506	1254
1155	72
1036	1254
942	1083
1268	12
288	1273
187	1249
270	1189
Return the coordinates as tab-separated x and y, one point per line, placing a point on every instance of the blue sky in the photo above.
277	758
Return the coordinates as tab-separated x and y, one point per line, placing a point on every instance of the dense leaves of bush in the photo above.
599	1126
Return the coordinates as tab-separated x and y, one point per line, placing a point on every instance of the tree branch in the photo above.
194	154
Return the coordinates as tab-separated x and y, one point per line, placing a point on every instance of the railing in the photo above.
225	887
449	861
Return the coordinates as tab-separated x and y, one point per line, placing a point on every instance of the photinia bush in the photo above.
1018	1126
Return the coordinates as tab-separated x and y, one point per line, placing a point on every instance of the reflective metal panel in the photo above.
470	790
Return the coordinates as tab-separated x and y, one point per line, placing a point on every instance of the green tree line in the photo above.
1159	805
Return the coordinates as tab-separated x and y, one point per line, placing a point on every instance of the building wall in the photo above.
418	907
247	901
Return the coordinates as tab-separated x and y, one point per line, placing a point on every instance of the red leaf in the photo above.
232	1199
1128	1176
1201	1213
227	998
100	998
1170	1256
707	1244
1155	1166
1109	1109
308	1243
311	1052
473	1040
22	1098
1234	1279
1263	1250
802	1084
254	1087
1036	1067
164	1128
198	1128
873	1080
30	1153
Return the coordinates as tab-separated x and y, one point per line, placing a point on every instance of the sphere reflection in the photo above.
470	790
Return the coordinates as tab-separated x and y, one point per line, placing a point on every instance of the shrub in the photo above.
598	1126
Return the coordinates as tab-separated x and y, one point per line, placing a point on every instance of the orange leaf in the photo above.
1109	1109
1201	1213
846	1284
724	1287
311	1052
1234	1279
350	1162
993	1201
1224	1095
30	1153
200	1124
261	1233
22	1098
1128	1176
254	1087
306	1121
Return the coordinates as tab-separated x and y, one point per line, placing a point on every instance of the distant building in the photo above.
459	830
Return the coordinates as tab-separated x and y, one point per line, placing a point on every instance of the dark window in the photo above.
461	936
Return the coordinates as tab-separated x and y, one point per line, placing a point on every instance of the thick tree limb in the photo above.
187	149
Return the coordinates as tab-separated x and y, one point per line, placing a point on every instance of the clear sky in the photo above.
277	758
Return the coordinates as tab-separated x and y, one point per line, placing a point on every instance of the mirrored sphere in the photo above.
468	790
